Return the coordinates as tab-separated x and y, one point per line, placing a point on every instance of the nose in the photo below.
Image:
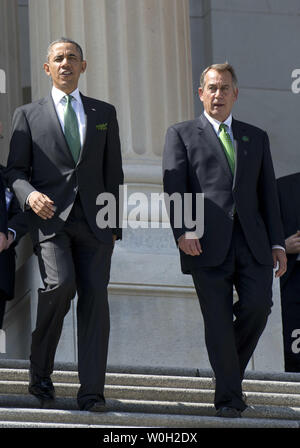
65	62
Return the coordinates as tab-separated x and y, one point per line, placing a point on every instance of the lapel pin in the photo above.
101	127
245	138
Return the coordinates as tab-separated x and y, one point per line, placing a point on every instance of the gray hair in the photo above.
219	68
65	40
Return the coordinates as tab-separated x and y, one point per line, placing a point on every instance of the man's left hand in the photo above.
280	258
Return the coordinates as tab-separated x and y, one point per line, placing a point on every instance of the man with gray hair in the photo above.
64	152
230	163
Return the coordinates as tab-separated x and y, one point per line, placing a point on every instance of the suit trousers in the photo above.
232	330
2	310
74	260
7	279
290	308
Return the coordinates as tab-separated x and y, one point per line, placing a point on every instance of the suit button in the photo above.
231	215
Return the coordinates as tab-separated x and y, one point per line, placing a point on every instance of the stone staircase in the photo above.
148	398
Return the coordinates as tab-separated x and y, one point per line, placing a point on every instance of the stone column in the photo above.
17	321
10	66
139	59
138	54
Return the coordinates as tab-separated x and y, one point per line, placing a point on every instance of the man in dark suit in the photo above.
65	151
17	228
230	162
289	199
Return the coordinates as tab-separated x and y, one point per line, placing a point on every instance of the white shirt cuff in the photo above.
278	247
13	232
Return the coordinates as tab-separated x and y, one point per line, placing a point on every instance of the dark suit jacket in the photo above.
289	199
40	159
17	222
194	161
3	213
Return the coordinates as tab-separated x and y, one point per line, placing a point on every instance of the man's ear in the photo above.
84	65
236	93
200	93
47	69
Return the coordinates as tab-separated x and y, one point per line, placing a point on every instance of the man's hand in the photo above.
10	239
41	204
292	243
3	241
280	258
190	246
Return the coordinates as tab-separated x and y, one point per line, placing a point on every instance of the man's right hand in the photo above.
292	243
41	204
190	246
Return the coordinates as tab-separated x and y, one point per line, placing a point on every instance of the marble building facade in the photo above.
145	57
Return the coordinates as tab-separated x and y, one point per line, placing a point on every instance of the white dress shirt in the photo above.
216	125
60	105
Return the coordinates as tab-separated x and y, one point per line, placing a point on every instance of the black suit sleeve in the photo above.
268	198
112	171
17	220
175	180
18	170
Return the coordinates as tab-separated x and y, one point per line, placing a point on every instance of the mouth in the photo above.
218	105
65	73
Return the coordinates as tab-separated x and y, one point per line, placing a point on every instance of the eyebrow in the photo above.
62	55
214	84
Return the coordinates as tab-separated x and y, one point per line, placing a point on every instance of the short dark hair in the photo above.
65	40
219	68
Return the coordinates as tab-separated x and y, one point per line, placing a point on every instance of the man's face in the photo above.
65	66
218	95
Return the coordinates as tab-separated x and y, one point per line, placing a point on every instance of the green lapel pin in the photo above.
101	127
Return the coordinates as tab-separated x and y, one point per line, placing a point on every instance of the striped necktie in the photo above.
71	128
227	145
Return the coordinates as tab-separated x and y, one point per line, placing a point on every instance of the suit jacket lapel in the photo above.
55	129
208	132
296	201
241	147
91	121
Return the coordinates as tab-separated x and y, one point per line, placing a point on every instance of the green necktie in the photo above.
228	146
71	128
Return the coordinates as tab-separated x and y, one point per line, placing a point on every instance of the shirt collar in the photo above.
216	123
58	95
